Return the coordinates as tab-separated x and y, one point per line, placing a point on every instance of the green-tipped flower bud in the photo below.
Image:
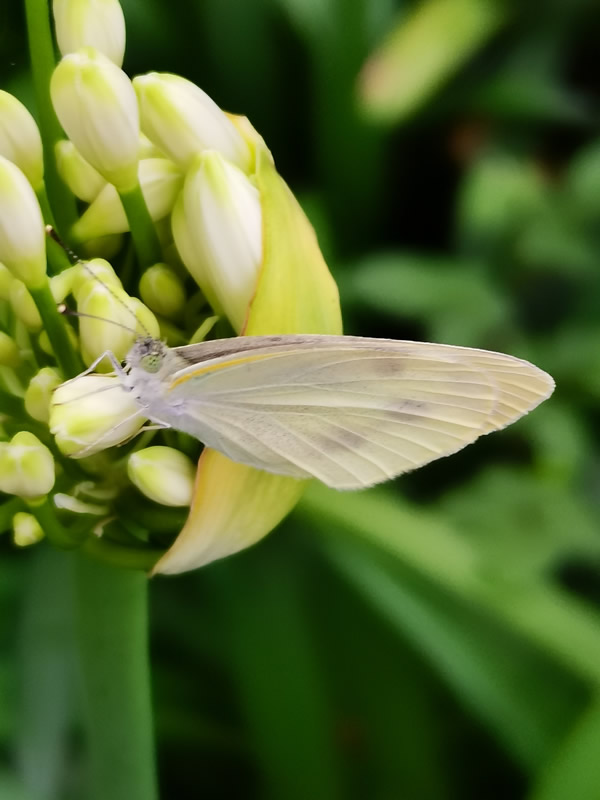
22	232
82	179
217	226
118	319
163	474
162	291
26	466
92	413
96	270
26	529
160	181
9	351
20	140
24	307
39	393
182	120
96	105
90	23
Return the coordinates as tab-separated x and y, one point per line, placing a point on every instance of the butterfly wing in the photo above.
349	411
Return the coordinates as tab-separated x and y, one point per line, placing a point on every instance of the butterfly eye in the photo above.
151	362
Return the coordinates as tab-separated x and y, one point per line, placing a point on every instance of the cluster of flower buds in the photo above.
215	234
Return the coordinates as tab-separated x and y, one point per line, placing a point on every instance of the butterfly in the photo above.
347	410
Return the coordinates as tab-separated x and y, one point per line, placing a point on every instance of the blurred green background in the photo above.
438	638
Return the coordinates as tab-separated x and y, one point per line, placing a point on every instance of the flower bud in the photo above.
26	466
117	320
90	23
26	529
160	181
96	105
20	140
96	270
23	305
6	280
162	290
182	120
22	232
91	413
39	393
82	179
217	227
162	474
9	351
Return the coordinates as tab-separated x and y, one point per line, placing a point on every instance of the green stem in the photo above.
54	530
47	213
41	50
112	621
118	555
7	511
57	258
56	329
12	405
142	227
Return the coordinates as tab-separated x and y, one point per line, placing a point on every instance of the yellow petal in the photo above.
234	505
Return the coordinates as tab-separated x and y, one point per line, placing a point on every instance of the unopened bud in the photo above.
160	181
26	466
182	120
20	140
39	393
163	474
96	105
92	413
82	179
22	231
90	23
26	529
217	227
162	291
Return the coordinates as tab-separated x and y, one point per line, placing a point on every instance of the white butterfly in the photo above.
347	410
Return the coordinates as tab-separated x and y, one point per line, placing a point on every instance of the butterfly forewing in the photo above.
347	410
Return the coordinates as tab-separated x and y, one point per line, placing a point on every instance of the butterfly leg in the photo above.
106	354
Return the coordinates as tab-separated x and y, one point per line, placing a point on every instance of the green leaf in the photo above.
574	770
423	51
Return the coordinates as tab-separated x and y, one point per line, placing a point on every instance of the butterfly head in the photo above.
148	355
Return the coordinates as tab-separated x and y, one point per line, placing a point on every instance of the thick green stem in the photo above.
42	65
113	643
142	227
56	329
56	533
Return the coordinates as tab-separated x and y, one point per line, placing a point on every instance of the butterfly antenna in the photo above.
51	232
68	312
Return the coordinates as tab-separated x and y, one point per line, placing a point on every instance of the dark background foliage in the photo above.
438	638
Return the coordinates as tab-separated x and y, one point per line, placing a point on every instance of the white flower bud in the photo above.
91	413
26	529
9	351
119	319
26	466
39	393
23	305
20	140
22	232
163	474
82	179
182	120
90	23
162	290
217	227
160	181
96	105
